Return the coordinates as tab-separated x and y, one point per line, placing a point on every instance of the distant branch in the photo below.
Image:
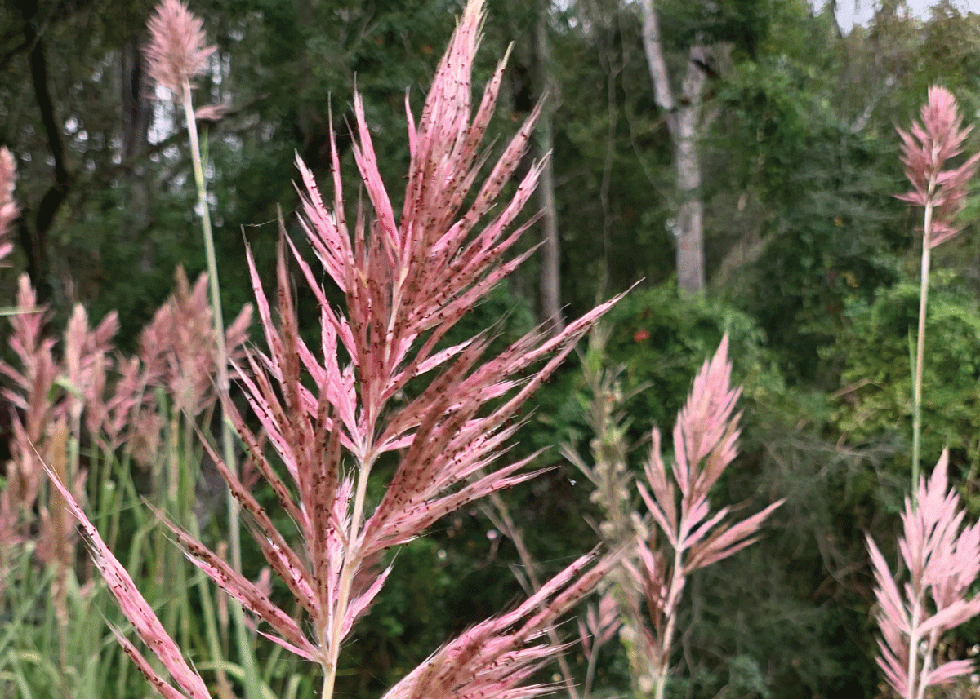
11	53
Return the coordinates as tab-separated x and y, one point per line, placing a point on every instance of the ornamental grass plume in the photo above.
47	397
32	396
331	412
705	443
178	49
178	346
678	506
943	560
8	207
925	149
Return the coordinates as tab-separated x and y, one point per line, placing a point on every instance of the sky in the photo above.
860	11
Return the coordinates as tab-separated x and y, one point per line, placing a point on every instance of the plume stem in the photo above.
920	345
221	361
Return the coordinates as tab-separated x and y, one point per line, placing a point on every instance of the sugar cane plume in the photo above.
943	561
926	147
330	412
8	207
680	532
45	395
177	346
177	51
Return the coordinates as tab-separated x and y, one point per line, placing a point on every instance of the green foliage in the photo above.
744	24
611	157
874	401
661	338
830	234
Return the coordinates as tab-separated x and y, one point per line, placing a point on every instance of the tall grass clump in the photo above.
116	429
332	412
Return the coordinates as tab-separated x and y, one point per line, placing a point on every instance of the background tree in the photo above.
683	114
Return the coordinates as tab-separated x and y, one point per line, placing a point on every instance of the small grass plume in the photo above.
705	444
178	50
8	207
676	495
925	149
943	560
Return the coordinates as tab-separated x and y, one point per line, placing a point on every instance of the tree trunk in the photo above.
35	240
549	291
684	122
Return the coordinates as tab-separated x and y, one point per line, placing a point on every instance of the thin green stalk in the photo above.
221	352
234	537
208	614
187	476
920	349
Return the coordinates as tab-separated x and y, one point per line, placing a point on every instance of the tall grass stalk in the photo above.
176	54
920	344
925	149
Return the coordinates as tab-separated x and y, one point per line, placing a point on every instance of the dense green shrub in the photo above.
662	338
874	349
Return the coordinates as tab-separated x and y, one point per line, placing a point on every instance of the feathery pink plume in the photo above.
8	207
943	559
407	282
705	437
925	149
177	51
177	346
32	396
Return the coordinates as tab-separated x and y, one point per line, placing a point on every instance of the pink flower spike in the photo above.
177	51
678	504
943	560
8	207
925	149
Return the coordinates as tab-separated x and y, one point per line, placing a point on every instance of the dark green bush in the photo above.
875	351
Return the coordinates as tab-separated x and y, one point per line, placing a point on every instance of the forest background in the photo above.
809	265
